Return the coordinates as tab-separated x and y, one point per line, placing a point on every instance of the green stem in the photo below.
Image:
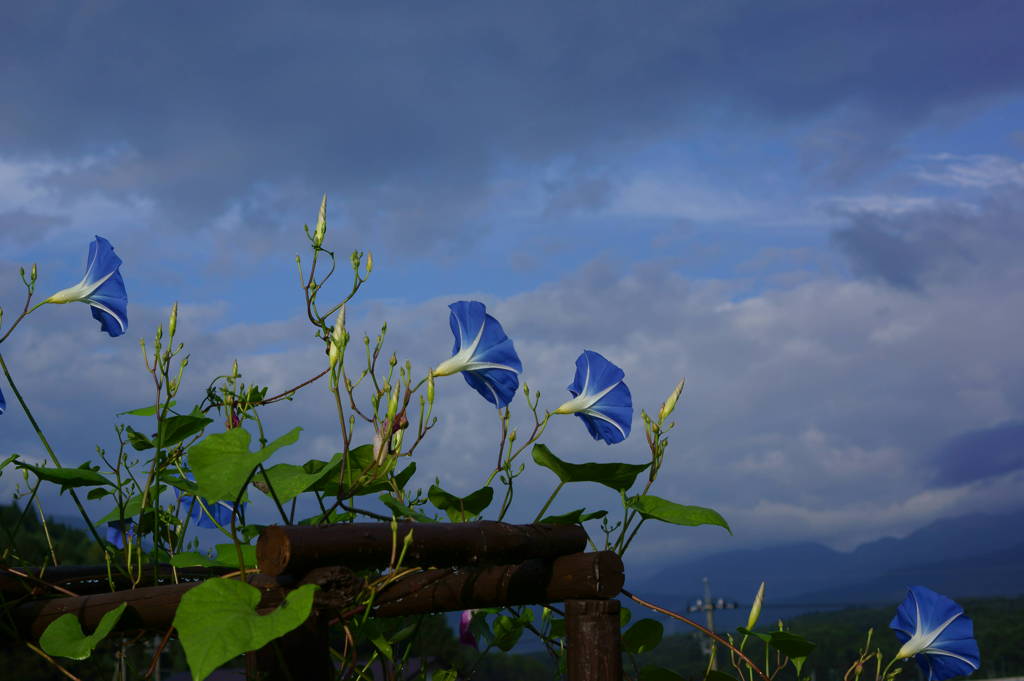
548	502
49	449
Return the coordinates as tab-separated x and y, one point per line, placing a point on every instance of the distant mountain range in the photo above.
968	556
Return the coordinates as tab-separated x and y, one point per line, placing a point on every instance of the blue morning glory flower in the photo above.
3	402
118	529
483	353
600	398
102	288
934	630
221	511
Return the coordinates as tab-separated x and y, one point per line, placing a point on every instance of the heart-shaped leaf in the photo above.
64	637
461	509
217	621
222	462
618	476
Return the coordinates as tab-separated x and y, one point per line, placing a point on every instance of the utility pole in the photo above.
709	605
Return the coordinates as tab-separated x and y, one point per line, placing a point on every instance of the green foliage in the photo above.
217	621
64	637
83	476
461	509
643	636
222	462
576	517
618	476
29	546
650	506
226	556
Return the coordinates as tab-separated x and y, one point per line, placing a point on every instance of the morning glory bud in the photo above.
670	403
430	387
33	273
321	224
755	609
369	262
234	369
355	258
393	405
172	323
337	343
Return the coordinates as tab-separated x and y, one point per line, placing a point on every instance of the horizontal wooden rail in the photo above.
89	579
577	576
295	550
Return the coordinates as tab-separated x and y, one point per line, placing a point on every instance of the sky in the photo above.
812	211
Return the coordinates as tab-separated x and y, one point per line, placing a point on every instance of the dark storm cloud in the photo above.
982	453
944	243
404	110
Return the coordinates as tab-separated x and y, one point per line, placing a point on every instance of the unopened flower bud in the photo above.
512	436
430	387
321	223
394	360
369	262
33	273
355	258
338	338
396	441
234	369
755	609
670	402
172	323
393	404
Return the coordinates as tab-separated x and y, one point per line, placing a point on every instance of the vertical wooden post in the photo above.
300	655
593	642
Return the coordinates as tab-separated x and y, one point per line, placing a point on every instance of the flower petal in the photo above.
482	352
600	398
935	631
102	288
3	402
117	529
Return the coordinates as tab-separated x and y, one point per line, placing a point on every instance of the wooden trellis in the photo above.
464	565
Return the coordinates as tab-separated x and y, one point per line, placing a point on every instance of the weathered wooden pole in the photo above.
593	645
297	549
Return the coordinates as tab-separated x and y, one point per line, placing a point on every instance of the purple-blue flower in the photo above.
600	398
483	353
3	402
102	288
221	510
118	529
466	636
934	630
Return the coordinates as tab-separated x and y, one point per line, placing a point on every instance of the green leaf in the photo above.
402	511
144	411
651	672
8	460
83	476
667	511
507	632
642	636
64	637
445	675
370	631
97	493
793	646
624	616
226	556
289	481
558	628
137	440
573	517
222	462
217	621
402	478
362	474
177	428
618	476
461	509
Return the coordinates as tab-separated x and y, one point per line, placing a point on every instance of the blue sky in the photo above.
812	211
